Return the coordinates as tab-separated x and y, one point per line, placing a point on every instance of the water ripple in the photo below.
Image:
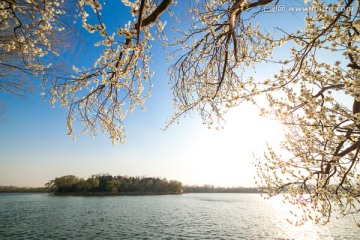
190	216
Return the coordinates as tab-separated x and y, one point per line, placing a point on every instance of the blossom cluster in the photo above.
320	153
30	30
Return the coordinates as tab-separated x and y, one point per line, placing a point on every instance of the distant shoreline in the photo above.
23	192
126	194
15	189
115	194
104	185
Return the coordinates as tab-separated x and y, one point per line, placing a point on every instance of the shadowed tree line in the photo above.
15	189
107	184
120	184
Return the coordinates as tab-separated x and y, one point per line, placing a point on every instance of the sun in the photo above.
225	157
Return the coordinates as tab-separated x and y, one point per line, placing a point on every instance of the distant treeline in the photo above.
14	189
213	189
106	184
113	185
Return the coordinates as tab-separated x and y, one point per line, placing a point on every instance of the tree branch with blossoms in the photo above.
207	75
321	136
116	82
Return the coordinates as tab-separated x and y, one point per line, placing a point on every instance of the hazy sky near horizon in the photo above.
35	147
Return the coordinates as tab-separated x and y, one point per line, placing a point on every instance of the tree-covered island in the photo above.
106	184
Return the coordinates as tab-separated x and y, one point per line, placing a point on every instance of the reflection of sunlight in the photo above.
283	213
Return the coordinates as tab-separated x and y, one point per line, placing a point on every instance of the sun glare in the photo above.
225	157
286	213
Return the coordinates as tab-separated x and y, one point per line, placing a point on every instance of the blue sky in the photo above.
35	147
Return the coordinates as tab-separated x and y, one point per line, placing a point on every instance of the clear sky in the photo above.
35	148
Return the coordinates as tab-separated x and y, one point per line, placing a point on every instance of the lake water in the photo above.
187	216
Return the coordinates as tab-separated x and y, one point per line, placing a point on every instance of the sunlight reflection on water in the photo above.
188	216
337	228
281	212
